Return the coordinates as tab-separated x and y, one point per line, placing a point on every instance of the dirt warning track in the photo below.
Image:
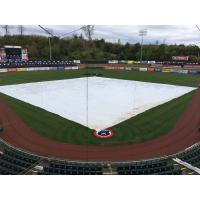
184	134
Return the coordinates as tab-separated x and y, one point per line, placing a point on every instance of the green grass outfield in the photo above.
148	125
155	77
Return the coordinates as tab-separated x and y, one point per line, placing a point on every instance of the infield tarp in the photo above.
110	101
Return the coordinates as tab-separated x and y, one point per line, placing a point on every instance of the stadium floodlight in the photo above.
49	38
142	33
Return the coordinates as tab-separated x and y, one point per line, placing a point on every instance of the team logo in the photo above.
103	133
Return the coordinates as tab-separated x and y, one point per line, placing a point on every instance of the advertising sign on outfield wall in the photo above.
150	69
158	70
135	68
81	67
193	72
3	70
113	61
143	69
74	68
21	69
123	62
151	62
77	61
31	69
43	68
181	71
53	68
61	68
144	62
130	61
166	70
127	68
12	69
68	68
136	62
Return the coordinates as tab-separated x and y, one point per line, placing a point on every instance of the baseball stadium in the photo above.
98	116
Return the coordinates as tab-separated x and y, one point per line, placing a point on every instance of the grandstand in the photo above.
14	161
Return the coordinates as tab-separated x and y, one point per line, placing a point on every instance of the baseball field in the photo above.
148	125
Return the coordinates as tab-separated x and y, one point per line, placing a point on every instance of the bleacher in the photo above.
148	167
191	156
13	162
38	63
67	168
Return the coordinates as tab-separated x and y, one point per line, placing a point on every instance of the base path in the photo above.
184	134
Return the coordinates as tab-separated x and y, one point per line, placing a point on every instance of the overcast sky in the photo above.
169	34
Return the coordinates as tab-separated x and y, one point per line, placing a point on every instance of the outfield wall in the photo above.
155	69
58	68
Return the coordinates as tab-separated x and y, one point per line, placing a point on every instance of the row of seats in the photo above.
191	156
37	63
63	167
15	162
148	167
57	171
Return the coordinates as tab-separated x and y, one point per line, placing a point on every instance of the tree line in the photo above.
77	47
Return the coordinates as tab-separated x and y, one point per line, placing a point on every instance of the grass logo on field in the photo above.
103	133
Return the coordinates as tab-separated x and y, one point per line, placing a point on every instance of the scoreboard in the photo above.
15	53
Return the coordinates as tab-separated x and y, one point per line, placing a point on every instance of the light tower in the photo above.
142	33
49	38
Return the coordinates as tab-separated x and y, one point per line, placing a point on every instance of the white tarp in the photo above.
110	101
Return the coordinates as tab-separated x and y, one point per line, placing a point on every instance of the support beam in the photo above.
187	165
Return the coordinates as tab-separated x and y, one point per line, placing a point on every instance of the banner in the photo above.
135	68
158	70
81	67
12	69
77	61
142	69
113	62
193	72
43	68
136	62
151	62
31	69
123	62
180	58
21	69
144	62
3	70
128	68
74	68
130	61
150	69
61	68
166	70
68	68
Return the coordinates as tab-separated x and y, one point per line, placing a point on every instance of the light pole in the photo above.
142	33
50	55
49	38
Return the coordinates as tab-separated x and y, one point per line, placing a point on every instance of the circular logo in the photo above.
103	133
